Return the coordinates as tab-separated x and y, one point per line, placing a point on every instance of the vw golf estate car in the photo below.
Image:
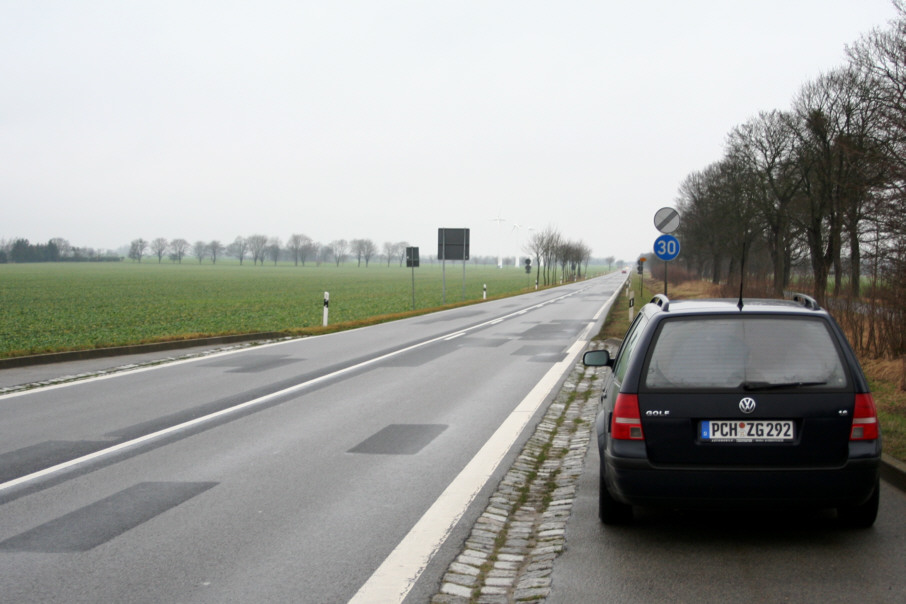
726	403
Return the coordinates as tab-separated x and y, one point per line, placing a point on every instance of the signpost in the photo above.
642	261
412	261
666	247
453	244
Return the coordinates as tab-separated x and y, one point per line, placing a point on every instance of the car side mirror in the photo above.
597	358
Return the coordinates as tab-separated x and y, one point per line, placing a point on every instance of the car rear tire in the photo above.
611	511
863	515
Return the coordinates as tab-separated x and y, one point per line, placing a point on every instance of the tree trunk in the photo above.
855	284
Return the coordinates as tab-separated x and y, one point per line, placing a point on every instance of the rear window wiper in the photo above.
778	386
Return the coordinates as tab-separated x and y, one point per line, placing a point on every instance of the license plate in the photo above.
749	431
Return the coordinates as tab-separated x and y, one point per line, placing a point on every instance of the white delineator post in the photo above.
326	304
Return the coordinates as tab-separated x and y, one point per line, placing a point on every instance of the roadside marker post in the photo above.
326	304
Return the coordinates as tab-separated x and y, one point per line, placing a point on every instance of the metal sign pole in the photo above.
666	220
443	266
412	262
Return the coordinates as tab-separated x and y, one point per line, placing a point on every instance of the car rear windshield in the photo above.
749	353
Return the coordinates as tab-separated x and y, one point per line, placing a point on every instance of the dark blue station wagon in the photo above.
739	404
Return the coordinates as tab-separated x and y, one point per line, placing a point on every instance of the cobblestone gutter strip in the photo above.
510	553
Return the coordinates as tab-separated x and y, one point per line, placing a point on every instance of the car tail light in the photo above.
626	423
865	419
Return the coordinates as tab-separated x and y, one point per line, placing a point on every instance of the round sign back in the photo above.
666	220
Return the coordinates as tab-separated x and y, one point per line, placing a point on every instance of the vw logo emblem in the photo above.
747	405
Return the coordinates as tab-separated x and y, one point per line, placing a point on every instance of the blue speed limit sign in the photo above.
666	247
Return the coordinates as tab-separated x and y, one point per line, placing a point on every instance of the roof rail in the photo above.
662	301
806	301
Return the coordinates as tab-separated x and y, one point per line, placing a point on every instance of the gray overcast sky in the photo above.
386	119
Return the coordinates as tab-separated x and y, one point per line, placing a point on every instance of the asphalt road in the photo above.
280	473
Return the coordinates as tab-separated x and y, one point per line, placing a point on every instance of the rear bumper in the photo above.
637	482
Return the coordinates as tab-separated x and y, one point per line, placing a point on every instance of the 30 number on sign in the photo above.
666	247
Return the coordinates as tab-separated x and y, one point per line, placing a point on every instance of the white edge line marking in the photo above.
396	576
200	420
115	372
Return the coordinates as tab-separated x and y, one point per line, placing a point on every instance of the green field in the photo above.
72	306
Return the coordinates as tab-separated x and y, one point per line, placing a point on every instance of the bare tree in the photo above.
239	248
401	251
215	248
550	248
274	249
535	248
833	129
200	250
323	254
572	259
159	247
370	251
297	246
364	250
389	251
339	248
311	249
767	145
137	249
719	218
257	248
880	57
179	248
358	247
63	246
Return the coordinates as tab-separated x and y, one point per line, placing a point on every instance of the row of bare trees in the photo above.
820	185
549	249
817	191
261	248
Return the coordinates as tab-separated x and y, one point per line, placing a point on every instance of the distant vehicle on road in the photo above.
746	404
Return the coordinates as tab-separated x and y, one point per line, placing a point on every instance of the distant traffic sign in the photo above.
666	220
666	247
